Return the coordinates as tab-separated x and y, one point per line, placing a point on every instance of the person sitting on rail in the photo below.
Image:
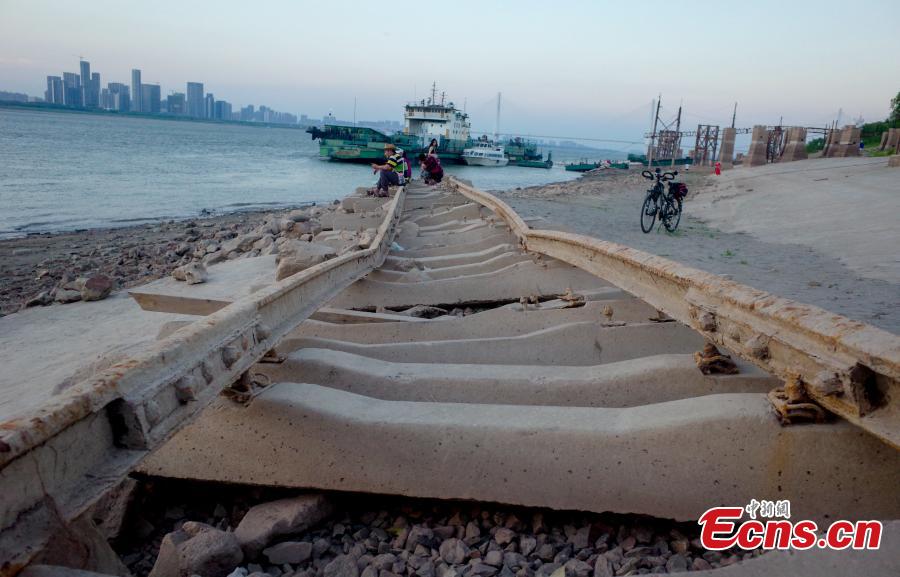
406	174
431	168
389	172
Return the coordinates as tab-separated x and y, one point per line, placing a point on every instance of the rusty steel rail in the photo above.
850	368
60	459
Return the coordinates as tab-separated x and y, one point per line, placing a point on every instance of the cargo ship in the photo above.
427	119
524	153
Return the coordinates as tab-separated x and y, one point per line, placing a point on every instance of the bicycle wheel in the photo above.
648	214
673	214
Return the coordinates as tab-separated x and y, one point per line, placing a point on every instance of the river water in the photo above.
65	171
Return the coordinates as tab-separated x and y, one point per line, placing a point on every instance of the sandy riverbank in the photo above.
805	266
842	207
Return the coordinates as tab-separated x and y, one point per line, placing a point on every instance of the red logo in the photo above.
722	528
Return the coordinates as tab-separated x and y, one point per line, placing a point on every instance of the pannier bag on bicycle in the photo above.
678	189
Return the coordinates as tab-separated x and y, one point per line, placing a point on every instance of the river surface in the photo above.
65	171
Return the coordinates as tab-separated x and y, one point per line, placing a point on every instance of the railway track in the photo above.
545	369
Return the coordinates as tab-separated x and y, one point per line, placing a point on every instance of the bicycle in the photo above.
659	202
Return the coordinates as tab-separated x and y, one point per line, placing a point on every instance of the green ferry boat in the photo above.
582	166
423	121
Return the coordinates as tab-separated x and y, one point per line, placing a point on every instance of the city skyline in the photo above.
72	90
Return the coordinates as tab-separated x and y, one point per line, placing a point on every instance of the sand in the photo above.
842	207
74	341
842	261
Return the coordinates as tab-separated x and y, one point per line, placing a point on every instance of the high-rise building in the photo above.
247	113
72	89
195	104
222	110
176	104
150	97
94	91
119	97
54	93
137	101
86	90
209	106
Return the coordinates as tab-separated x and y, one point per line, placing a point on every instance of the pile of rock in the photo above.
185	250
314	224
68	290
288	538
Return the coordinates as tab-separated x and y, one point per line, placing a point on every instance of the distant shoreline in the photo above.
44	107
207	214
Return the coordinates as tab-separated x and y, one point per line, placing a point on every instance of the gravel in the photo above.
381	536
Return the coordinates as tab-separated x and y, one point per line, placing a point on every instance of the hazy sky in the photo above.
564	68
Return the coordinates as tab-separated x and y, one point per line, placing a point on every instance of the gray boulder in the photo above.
191	273
342	566
291	552
64	295
454	551
96	288
295	256
197	549
267	521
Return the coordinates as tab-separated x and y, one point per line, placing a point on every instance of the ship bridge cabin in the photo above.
430	120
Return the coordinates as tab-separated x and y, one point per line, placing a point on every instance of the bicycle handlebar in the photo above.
658	176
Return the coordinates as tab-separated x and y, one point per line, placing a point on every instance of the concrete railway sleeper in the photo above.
561	389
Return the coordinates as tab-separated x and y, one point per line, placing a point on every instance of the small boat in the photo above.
485	154
524	153
537	162
582	166
585	166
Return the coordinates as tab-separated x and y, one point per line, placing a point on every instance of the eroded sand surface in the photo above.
799	243
842	207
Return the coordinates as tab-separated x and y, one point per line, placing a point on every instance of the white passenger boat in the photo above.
485	154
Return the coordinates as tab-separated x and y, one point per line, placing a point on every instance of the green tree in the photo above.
895	109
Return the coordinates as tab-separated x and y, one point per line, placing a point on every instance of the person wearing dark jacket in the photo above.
431	168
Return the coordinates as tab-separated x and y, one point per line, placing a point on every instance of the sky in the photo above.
578	69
